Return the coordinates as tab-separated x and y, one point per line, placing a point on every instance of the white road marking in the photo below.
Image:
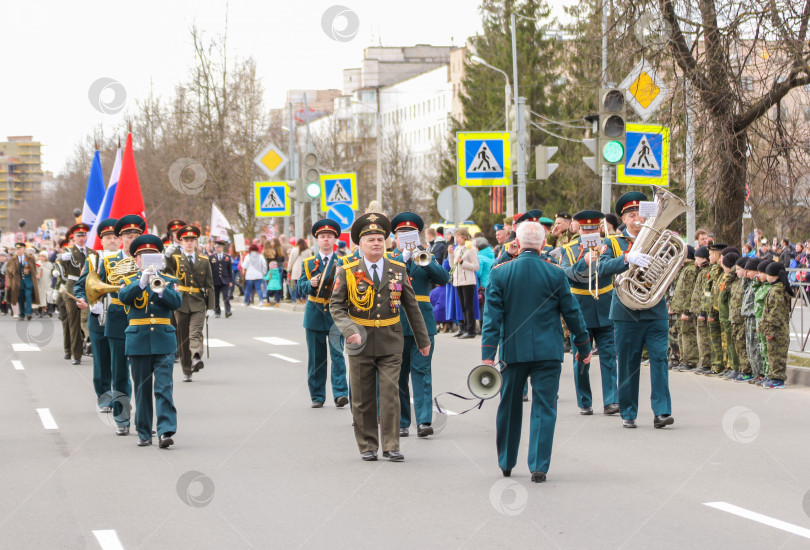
17	364
47	420
217	343
275	341
283	357
108	539
760	518
25	347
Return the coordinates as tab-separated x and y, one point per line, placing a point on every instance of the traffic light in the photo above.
312	176
612	126
513	133
542	155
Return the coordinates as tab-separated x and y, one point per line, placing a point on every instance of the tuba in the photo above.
642	287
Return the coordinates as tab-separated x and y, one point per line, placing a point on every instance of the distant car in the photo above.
470	225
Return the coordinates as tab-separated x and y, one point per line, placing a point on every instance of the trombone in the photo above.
593	270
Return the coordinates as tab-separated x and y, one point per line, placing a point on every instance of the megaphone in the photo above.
484	381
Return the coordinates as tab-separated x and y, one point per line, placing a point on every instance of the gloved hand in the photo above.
406	255
65	256
97	308
638	258
209	313
144	282
55	294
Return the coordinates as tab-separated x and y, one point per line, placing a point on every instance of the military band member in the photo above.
525	299
21	280
60	298
416	366
102	370
636	329
367	298
150	344
196	285
317	279
222	270
171	233
74	261
579	265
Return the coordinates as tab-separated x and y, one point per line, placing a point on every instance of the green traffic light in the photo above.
613	152
313	190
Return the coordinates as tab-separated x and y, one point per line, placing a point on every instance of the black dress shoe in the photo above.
187	378
165	441
228	314
76	362
27	317
122	430
424	430
586	411
611	408
197	364
317	404
458	334
506	473
628	423
662	420
68	356
144	442
538	477
466	336
369	456
393	456
403	432
341	401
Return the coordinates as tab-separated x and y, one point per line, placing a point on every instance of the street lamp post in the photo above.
378	139
510	200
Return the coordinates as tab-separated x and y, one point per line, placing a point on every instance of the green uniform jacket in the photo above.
116	322
684	288
696	303
706	285
718	275
156	337
81	292
724	295
776	312
316	314
735	301
381	325
759	300
195	283
420	279
525	298
595	312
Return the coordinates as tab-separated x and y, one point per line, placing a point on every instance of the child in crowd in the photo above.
735	317
749	314
273	279
774	325
759	307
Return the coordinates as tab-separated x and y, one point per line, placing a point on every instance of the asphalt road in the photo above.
253	466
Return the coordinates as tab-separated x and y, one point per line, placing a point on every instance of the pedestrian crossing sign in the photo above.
484	159
647	159
271	198
338	189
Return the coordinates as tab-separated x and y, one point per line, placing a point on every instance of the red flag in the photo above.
128	198
496	200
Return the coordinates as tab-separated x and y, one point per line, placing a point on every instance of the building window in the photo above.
747	83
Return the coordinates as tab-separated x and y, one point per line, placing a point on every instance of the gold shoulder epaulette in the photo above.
203	257
570	244
308	259
351	264
396	262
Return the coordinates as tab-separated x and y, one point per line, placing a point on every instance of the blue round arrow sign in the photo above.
343	214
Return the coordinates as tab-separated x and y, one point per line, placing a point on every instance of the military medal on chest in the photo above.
395	294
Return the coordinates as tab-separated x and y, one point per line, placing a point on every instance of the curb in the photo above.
798	376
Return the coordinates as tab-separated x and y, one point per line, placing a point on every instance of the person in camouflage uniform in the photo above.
730	278
759	308
561	233
680	307
748	313
735	317
712	296
698	314
775	324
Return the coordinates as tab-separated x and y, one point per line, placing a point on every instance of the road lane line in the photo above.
283	357
108	539
275	341
17	364
47	420
760	518
25	347
217	343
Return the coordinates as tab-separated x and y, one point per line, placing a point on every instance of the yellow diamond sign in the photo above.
645	90
271	160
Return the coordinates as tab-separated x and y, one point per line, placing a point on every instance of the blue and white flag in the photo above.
106	204
94	195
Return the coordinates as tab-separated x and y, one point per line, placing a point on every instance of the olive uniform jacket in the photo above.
14	278
195	283
380	323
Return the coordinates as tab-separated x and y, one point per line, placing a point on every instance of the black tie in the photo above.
191	259
375	277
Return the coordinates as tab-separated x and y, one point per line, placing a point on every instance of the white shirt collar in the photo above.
380	266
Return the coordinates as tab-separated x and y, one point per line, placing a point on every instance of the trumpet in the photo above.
593	282
156	282
423	258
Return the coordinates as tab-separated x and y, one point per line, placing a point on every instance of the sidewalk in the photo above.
798	369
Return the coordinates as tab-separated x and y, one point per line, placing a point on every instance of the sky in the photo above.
55	51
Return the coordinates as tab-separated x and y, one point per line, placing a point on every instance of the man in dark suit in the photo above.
525	299
366	301
222	270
